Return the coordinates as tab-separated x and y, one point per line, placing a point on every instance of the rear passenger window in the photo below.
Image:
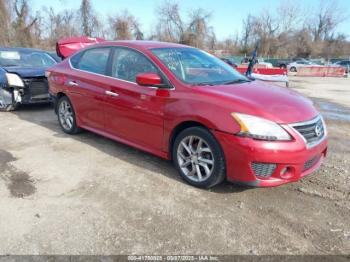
74	60
94	60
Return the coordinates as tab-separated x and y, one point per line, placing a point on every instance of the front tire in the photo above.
66	116
283	66
198	157
293	69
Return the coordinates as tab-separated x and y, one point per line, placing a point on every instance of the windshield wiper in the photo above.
204	84
236	81
8	65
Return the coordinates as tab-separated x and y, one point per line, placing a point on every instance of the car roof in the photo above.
22	49
142	44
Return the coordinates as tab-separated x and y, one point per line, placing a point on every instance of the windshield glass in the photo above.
25	59
197	67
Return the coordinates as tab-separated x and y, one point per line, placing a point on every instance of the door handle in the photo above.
109	93
72	83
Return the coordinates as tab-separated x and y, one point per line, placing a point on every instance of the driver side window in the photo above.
128	63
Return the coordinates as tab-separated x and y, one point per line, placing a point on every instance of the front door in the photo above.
133	112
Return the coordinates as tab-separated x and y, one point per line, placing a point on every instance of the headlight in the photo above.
14	80
260	128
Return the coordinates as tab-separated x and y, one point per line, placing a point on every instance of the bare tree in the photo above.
229	45
327	17
288	31
59	25
290	16
264	30
171	25
23	23
88	18
212	40
197	31
247	32
125	26
5	20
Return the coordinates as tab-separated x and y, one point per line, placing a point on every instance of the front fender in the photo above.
6	97
214	116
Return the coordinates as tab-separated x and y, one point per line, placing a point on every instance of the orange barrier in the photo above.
321	71
264	71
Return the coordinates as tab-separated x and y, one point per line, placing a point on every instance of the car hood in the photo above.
26	72
265	100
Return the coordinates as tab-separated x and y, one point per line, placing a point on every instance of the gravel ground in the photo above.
85	194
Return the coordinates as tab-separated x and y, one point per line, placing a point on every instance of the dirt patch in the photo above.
19	183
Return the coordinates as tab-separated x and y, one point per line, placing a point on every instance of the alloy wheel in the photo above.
65	113
195	158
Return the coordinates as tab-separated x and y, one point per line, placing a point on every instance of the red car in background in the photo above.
181	103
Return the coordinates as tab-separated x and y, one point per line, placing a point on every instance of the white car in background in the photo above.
260	61
294	66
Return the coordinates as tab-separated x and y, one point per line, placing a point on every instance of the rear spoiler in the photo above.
68	46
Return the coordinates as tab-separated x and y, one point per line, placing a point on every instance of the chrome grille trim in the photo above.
306	130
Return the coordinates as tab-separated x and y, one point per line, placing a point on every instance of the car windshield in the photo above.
197	67
25	59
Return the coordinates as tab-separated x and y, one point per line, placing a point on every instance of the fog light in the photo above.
286	172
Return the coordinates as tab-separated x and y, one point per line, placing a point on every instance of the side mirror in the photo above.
149	79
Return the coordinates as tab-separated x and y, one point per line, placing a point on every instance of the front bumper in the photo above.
293	156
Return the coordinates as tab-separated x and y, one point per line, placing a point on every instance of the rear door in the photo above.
87	85
133	112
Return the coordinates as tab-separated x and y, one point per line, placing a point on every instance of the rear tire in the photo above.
198	157
293	69
66	116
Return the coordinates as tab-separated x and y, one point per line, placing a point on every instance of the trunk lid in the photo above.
68	46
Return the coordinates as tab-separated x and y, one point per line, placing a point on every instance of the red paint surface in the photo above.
145	117
68	46
148	79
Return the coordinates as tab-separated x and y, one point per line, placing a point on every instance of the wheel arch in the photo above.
179	128
58	96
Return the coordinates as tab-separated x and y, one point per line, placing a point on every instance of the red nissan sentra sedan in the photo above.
181	103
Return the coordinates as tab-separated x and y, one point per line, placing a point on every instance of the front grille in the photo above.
37	87
311	162
263	169
312	131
